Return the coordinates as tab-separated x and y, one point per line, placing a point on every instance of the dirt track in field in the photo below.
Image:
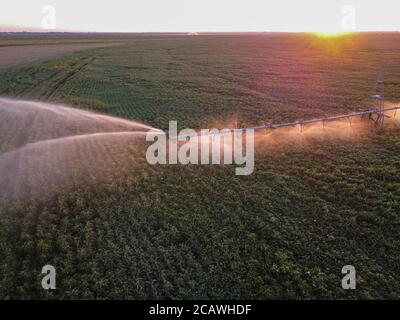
11	56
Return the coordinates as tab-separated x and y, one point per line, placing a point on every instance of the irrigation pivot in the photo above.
380	113
376	113
379	97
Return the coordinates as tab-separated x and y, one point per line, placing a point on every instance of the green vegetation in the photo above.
201	232
284	232
213	79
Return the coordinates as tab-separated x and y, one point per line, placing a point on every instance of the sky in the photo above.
326	16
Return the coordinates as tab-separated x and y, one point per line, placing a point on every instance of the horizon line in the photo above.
193	32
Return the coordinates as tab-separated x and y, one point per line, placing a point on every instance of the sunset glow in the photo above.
331	34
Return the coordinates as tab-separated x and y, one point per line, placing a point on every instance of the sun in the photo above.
330	33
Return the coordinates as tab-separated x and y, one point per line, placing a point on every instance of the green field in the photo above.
201	232
195	80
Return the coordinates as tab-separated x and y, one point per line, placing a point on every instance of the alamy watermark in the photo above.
209	146
49	280
49	21
349	280
349	22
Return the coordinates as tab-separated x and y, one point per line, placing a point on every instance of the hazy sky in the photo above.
203	15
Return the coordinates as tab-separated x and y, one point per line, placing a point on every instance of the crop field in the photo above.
15	53
117	228
254	78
